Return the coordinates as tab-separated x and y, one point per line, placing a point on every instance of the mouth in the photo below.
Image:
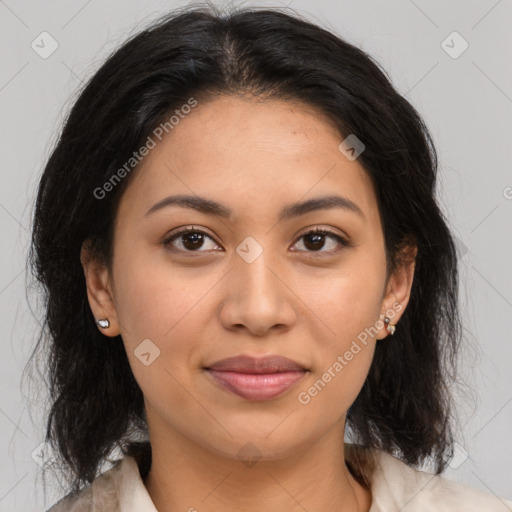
256	379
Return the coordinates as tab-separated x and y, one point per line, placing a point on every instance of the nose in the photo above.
258	299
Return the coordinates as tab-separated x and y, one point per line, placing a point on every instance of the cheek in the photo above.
157	306
348	307
328	394
342	358
153	297
168	306
348	300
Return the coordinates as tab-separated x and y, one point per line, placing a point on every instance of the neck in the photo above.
187	476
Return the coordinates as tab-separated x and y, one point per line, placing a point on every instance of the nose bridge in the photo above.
257	273
256	298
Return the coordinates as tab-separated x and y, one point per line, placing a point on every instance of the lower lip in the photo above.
252	386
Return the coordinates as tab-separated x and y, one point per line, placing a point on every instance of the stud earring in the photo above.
103	323
391	328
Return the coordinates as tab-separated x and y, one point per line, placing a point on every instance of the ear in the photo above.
99	289
398	288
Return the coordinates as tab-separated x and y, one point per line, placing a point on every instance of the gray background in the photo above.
466	102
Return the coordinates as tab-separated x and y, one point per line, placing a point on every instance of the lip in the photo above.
256	378
249	364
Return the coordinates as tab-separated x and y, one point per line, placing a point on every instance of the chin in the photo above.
260	442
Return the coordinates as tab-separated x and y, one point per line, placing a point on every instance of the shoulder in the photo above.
74	502
397	486
102	494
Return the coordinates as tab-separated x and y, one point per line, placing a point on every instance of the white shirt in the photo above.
395	487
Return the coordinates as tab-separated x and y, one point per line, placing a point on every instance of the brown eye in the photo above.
318	239
190	240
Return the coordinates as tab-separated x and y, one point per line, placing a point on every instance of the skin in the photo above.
309	305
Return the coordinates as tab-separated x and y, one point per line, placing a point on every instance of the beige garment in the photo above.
395	487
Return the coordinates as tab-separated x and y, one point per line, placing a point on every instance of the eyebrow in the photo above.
210	207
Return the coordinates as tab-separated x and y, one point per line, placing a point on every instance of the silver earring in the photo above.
391	328
103	323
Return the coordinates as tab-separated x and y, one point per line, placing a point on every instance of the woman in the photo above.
245	265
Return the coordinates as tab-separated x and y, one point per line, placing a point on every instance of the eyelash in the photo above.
315	231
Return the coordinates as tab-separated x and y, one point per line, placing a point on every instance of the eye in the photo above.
315	241
189	239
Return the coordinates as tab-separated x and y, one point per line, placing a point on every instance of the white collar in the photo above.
394	486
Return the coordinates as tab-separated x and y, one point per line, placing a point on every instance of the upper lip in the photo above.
249	364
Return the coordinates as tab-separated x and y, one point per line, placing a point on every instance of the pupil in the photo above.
195	240
316	239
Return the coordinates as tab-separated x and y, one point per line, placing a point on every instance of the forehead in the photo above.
246	153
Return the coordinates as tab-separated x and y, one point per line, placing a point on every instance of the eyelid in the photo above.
325	230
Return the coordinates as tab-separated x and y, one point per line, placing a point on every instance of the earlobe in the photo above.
398	290
99	292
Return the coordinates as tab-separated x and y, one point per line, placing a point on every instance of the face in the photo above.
256	275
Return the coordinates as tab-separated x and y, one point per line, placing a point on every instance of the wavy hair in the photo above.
96	406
